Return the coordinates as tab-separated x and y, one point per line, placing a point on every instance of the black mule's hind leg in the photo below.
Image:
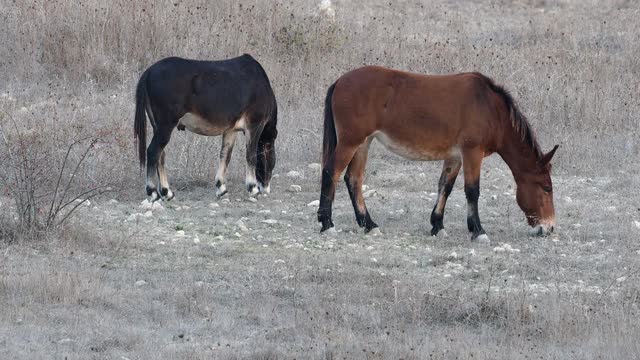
161	136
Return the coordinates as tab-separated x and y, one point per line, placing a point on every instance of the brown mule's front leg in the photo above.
471	162
450	170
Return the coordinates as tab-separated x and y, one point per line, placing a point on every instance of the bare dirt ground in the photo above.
200	277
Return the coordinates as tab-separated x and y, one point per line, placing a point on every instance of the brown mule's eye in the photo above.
546	189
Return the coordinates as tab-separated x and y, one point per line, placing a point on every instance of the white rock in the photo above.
157	206
293	174
270	221
375	232
252	199
146	204
636	223
295	188
180	233
141	283
241	226
314	166
374	260
369	193
621	279
567	199
237	234
113	201
196	240
314	203
214	205
148	214
453	255
279	261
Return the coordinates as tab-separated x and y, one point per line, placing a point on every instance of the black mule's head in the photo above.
266	159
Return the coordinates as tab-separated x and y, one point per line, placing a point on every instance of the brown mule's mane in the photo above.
518	120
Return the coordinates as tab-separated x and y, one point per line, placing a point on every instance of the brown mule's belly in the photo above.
415	150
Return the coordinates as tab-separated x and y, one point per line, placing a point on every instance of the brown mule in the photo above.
456	118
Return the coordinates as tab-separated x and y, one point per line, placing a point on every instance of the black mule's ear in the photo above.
548	156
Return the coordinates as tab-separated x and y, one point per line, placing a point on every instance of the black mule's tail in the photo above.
330	140
140	122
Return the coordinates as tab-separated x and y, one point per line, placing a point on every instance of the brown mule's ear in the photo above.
548	156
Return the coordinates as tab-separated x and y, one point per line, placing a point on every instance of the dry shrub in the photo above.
42	178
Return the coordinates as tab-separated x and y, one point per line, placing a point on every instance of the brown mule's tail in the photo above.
330	139
140	122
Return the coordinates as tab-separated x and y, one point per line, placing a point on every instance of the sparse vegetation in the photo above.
201	278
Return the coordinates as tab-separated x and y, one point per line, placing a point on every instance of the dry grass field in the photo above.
242	278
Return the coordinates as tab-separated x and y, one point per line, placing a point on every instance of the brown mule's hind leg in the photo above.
471	162
450	170
354	178
333	168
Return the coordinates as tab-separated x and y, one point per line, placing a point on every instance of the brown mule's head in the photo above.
535	196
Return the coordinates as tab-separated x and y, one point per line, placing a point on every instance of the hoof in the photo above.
168	195
440	234
253	189
221	191
374	232
330	231
482	239
154	197
436	230
265	190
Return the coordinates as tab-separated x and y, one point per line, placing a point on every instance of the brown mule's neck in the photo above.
521	158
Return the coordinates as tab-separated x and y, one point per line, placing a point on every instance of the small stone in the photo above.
637	224
214	205
270	221
567	199
237	234
157	206
113	201
279	261
295	188
180	233
293	174
241	226
315	166
141	283
314	203
252	199
369	193
374	260
196	241
148	214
